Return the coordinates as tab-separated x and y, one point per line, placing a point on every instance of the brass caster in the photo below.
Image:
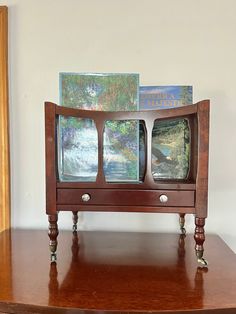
74	228
183	231
53	257
203	262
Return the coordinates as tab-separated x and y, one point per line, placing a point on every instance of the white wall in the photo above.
167	42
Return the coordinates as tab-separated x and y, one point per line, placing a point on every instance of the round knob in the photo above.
163	198
85	197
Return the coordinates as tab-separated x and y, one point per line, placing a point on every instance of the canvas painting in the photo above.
170	138
170	149
78	156
164	97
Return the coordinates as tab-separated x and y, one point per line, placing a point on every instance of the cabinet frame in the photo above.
184	196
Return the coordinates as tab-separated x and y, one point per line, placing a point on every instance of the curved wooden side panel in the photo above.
202	156
4	137
50	143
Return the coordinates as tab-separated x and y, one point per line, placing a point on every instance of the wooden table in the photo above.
104	272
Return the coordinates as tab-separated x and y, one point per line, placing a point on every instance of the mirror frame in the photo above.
4	123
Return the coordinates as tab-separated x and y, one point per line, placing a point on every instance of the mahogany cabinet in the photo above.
171	157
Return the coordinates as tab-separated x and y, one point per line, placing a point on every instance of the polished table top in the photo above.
108	271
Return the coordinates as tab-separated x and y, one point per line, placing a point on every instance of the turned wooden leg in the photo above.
182	223
53	233
75	220
199	237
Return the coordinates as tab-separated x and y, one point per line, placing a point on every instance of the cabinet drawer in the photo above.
125	197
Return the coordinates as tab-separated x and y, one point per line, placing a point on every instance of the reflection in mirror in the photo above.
124	150
77	149
170	149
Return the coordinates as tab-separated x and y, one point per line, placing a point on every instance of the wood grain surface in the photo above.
108	272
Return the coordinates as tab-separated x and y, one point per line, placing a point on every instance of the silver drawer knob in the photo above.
163	198
85	197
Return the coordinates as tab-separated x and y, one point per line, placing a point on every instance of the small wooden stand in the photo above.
187	196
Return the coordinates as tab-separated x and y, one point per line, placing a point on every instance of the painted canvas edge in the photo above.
61	74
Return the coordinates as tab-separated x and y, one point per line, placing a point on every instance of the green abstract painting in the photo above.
78	137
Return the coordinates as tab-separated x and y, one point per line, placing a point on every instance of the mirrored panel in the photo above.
170	149
124	151
77	149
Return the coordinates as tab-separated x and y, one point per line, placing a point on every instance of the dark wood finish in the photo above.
202	160
100	175
124	197
53	232
108	272
149	115
75	220
182	223
136	209
51	169
154	185
184	196
199	235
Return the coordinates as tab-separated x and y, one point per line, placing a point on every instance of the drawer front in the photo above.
125	197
